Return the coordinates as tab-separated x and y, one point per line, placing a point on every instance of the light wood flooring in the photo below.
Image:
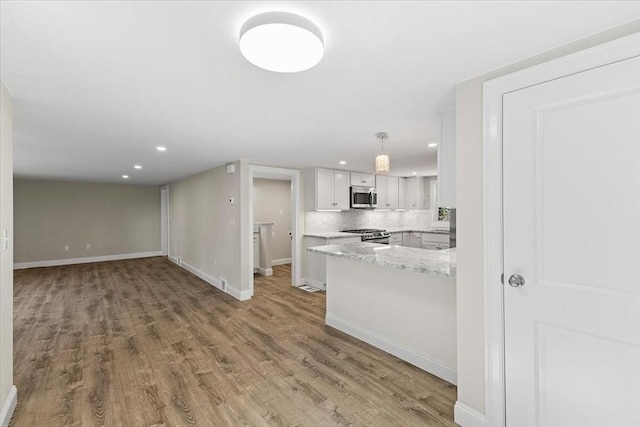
143	342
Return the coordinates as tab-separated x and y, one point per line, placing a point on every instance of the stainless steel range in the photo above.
371	235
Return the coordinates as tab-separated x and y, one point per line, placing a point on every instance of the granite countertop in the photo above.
331	234
437	262
413	230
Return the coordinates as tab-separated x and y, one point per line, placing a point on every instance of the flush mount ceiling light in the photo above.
281	42
161	148
433	144
382	159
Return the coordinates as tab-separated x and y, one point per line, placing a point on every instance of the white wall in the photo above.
470	295
7	391
272	203
208	233
114	219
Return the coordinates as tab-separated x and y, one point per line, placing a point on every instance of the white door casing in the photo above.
269	172
567	350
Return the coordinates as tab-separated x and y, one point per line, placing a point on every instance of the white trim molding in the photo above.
9	406
493	91
294	175
425	363
315	283
467	417
216	283
265	271
84	260
280	261
164	219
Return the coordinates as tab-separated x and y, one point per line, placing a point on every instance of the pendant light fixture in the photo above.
382	158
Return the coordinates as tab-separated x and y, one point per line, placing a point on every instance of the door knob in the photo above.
516	280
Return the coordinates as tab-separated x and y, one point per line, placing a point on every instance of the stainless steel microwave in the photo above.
363	198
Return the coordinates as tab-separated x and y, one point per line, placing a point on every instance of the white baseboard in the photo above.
467	417
315	283
280	261
84	260
426	363
265	271
234	292
8	406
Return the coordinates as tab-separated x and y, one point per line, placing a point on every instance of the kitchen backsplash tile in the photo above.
322	222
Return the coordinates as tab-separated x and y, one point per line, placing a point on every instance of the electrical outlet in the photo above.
88	246
223	284
66	248
232	222
273	234
281	213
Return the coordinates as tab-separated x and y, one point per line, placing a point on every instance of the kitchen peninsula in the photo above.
399	299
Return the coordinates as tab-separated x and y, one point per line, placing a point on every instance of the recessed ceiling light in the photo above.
137	167
433	144
414	173
343	162
125	176
281	42
161	148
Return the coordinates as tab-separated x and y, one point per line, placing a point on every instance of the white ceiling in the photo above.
97	85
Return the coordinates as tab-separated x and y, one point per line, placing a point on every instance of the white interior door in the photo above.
571	196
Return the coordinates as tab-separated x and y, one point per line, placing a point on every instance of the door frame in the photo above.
256	171
493	91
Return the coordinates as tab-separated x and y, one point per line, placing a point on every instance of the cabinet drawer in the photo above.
435	237
395	239
434	245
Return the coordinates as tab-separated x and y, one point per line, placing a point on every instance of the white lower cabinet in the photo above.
395	239
317	263
434	241
411	240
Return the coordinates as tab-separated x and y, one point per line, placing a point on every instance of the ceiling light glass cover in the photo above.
383	162
281	42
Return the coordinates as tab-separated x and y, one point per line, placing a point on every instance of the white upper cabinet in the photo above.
411	193
447	160
326	189
388	194
363	179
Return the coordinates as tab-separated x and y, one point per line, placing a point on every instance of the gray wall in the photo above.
113	218
470	294
6	255
208	233
272	203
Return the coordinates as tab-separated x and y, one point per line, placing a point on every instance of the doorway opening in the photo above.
275	209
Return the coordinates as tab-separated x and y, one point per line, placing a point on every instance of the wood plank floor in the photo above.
143	342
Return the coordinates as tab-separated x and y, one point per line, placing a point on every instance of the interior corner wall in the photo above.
115	219
7	390
470	243
206	230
